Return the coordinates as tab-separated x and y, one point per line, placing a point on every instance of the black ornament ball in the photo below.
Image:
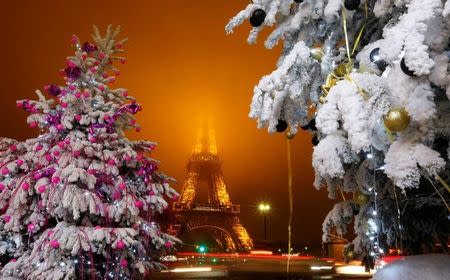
298	1
281	126
351	4
258	17
375	58
405	69
312	125
305	127
315	140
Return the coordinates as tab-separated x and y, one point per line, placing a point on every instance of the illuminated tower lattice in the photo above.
217	216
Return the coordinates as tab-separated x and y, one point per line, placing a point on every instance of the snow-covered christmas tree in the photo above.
78	201
369	79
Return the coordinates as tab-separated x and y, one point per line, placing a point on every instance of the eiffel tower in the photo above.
218	217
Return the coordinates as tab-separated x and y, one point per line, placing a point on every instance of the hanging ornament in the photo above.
290	135
53	90
351	4
315	140
317	53
349	255
281	126
312	125
89	47
405	68
73	72
375	58
397	119
361	198
258	17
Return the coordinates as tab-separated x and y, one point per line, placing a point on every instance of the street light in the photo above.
264	208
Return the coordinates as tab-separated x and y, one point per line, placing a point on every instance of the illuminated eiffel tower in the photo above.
217	216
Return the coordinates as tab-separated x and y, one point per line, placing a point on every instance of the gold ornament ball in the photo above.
317	53
361	198
290	135
350	255
397	119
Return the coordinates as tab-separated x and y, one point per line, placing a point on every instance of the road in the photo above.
255	267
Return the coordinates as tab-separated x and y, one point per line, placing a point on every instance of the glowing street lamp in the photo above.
264	208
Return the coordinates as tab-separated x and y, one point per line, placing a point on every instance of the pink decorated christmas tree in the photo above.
78	201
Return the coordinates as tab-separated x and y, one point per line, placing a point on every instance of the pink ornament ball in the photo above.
98	227
37	176
31	227
7	218
2	187
111	162
19	104
151	192
86	93
84	56
25	186
61	144
38	148
64	104
54	244
122	186
101	55
101	87
117	196
123	263
92	139
13	148
168	244
19	162
125	93
76	153
48	157
78	117
33	124
41	189
55	180
56	153
139	204
71	63
74	39
5	171
50	233
120	245
72	87
78	95
60	127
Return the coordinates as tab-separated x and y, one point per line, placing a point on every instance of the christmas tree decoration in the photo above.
298	1
375	58
76	200
315	140
397	119
348	64
281	126
361	198
405	68
351	4
258	17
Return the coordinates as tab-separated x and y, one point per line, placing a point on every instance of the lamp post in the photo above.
264	208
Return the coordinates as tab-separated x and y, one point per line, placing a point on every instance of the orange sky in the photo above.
182	68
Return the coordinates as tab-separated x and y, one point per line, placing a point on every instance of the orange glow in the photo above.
183	70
